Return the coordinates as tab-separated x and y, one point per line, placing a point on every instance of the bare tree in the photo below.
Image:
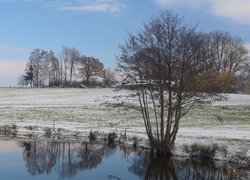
109	76
229	57
74	58
65	58
45	70
36	60
229	52
53	70
69	58
166	65
90	67
21	81
28	76
246	78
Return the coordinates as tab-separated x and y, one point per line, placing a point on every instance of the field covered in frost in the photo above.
76	112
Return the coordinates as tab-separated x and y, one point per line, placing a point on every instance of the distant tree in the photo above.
228	56
229	53
90	67
28	77
36	61
109	77
168	67
246	79
74	58
21	81
46	69
65	58
53	71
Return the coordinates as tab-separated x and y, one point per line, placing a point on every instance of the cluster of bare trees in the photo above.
68	69
171	67
228	58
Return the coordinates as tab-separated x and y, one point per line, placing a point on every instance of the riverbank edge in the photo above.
48	134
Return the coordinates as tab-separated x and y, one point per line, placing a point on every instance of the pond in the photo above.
53	159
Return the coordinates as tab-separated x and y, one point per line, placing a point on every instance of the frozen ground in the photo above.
76	112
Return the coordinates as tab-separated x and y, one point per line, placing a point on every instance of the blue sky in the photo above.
97	27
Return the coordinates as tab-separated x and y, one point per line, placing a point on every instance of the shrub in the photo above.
92	136
111	137
13	127
9	129
203	152
30	127
241	158
135	142
48	131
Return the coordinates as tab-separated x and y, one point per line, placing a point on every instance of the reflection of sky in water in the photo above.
63	160
9	146
12	166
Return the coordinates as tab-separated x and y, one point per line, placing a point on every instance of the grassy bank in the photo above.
76	112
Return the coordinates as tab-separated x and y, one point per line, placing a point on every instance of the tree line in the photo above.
69	69
226	56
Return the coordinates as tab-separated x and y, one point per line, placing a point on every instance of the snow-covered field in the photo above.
79	111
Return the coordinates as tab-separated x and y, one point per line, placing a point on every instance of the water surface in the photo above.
51	159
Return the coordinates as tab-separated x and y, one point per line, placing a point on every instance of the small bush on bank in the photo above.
240	158
29	127
135	142
92	136
47	131
8	129
204	152
13	127
111	137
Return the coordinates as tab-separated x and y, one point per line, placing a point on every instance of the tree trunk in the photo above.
87	79
161	149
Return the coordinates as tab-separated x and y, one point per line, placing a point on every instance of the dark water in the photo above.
70	160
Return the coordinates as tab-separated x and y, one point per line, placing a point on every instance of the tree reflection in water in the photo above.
43	157
148	167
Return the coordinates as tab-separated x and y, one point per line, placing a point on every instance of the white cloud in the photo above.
10	67
12	49
166	2
105	6
237	10
190	3
9	146
11	1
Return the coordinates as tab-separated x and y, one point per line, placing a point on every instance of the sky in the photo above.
97	27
